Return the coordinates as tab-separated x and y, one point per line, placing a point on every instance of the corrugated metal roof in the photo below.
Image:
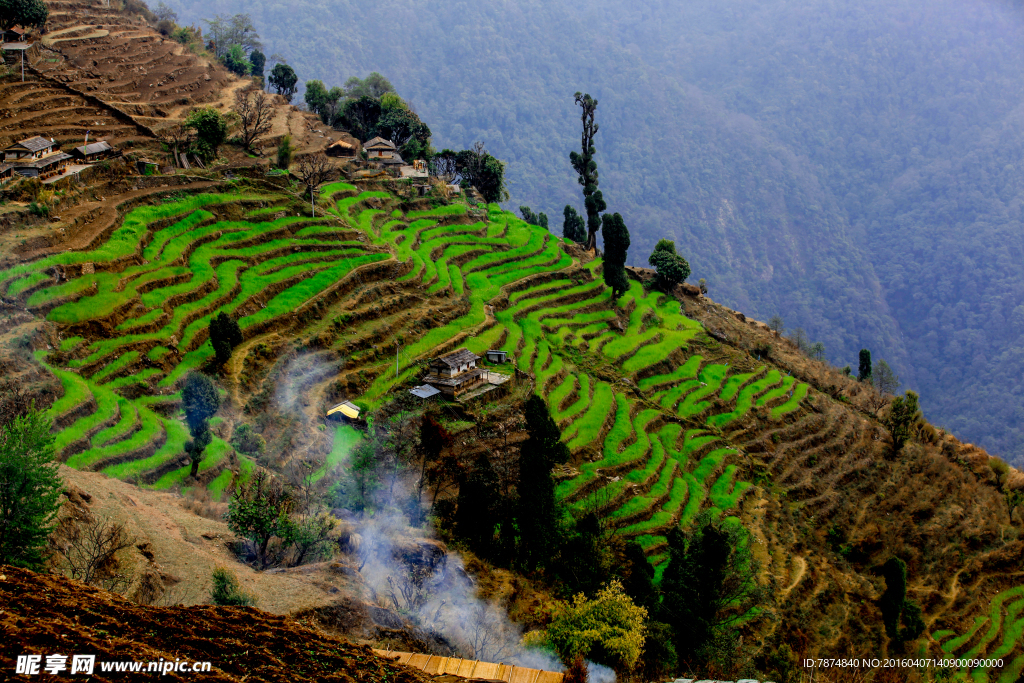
94	148
425	391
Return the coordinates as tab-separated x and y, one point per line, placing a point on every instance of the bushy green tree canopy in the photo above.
573	227
670	266
608	629
210	129
283	80
22	12
30	489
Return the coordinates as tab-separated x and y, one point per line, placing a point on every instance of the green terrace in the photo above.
649	405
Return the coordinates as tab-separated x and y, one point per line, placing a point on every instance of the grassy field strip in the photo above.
216	453
746	399
777	392
150	430
793	403
954	644
129	419
577	407
725	493
346	437
174	447
587	427
997	619
76	390
710	377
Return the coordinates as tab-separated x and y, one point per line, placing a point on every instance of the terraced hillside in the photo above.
38	106
105	70
665	406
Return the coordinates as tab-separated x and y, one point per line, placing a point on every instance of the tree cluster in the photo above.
25	13
369	108
538	219
616	246
277	528
472	168
671	268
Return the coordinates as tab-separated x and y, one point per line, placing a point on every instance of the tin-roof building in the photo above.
29	148
94	151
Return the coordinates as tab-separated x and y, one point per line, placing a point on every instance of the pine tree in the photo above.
586	167
30	489
537	513
616	247
201	401
864	368
573	227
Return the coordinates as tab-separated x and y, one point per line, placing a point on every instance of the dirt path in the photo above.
801	570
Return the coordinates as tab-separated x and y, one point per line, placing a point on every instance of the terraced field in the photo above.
996	634
651	407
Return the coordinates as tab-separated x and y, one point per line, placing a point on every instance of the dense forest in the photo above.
853	168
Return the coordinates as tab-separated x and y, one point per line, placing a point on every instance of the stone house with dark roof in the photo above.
379	149
30	148
454	373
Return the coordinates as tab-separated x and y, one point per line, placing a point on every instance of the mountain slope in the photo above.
838	165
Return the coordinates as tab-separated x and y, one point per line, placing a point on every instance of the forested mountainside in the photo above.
854	168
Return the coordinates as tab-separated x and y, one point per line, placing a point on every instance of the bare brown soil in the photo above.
42	614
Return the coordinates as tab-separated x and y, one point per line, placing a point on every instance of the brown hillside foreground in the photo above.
45	615
185	548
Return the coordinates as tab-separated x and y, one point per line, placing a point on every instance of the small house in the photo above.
30	148
46	167
15	34
6	172
346	409
454	373
495	356
93	152
379	149
340	149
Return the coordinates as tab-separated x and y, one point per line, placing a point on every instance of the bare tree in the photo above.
90	552
314	171
255	112
178	139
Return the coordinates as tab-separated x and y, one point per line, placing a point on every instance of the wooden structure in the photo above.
496	356
454	373
470	668
346	409
6	172
100	149
340	149
15	34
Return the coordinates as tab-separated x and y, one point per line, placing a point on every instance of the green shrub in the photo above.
227	591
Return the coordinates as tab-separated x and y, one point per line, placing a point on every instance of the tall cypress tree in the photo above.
475	515
537	512
616	247
573	227
586	167
864	369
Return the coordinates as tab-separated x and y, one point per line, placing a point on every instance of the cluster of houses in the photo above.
454	375
39	157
